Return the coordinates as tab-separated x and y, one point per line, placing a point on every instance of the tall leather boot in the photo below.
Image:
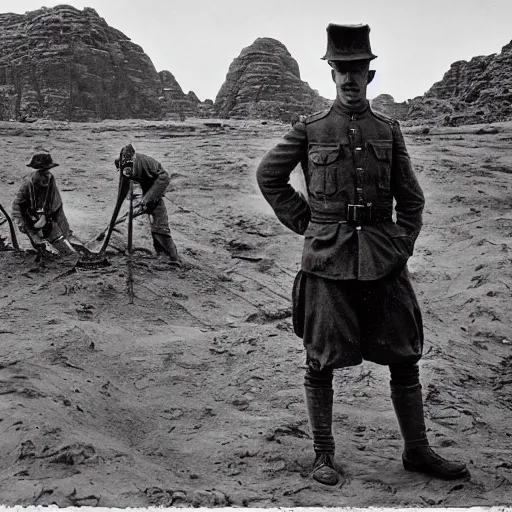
319	399
417	455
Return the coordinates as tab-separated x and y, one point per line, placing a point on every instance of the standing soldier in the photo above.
352	299
38	209
153	180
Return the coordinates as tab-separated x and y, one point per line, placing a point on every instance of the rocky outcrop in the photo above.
206	109
478	91
63	63
191	95
386	104
264	82
174	101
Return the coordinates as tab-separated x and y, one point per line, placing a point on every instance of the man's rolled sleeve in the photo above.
273	175
410	200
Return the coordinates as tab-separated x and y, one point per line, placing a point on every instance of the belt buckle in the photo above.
358	213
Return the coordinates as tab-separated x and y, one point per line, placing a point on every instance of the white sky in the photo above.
196	40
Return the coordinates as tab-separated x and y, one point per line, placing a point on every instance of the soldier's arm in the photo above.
273	176
161	178
405	187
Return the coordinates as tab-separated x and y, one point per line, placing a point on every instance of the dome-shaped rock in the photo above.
264	82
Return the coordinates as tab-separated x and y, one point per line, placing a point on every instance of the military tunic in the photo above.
39	193
350	270
153	180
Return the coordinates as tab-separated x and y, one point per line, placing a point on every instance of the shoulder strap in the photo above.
50	194
317	115
32	193
379	115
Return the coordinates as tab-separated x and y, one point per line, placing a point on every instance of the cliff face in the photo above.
63	63
386	104
478	91
174	101
264	82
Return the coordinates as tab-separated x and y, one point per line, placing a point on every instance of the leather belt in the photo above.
376	216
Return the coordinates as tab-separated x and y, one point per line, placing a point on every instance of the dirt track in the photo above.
193	394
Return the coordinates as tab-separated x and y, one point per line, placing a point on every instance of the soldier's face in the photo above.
351	79
42	177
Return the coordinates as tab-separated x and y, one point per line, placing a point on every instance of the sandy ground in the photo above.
193	394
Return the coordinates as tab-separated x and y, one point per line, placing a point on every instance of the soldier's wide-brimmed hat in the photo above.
348	43
42	161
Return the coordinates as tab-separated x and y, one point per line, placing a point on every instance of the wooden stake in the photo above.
11	229
130	246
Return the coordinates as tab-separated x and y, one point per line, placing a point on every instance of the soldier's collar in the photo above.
357	114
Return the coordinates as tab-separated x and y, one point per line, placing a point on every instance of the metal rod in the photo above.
130	244
121	195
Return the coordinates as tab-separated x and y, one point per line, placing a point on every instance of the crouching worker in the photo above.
38	210
153	181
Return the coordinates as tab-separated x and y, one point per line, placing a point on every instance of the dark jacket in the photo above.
37	192
151	176
333	248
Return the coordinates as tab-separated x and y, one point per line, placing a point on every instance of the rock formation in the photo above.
264	82
478	91
174	101
385	103
206	109
63	63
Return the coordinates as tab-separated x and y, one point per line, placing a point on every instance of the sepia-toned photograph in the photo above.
256	254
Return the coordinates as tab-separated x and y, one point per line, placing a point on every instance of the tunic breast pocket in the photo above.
381	151
324	166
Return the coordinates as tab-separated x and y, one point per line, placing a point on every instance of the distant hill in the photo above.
478	91
386	104
264	82
63	63
175	102
66	64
